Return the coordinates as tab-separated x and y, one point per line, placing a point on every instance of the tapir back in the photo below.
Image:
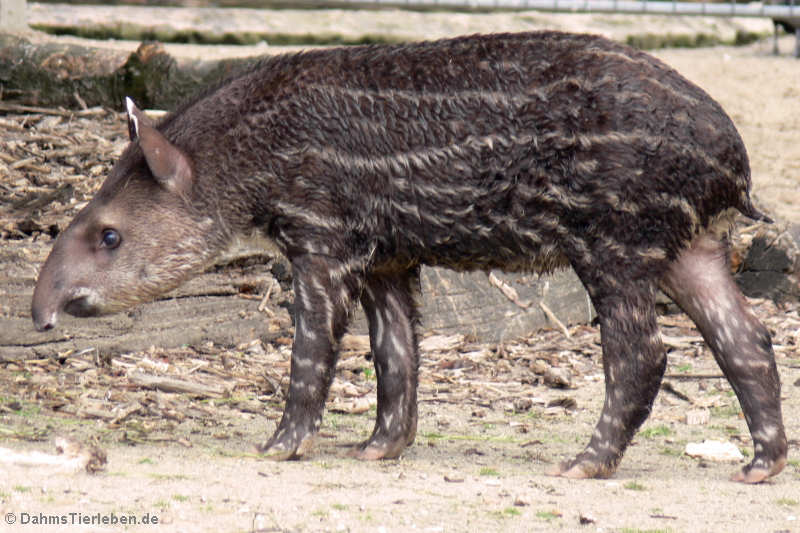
510	151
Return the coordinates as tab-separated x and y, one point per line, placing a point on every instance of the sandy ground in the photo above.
473	467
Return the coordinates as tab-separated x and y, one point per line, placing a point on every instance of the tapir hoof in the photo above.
373	451
280	451
753	473
580	470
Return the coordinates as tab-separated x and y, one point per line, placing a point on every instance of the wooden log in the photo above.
210	308
770	265
467	303
52	73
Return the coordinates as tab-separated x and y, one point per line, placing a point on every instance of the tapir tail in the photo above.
747	209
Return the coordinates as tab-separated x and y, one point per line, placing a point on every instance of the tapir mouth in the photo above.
81	307
81	303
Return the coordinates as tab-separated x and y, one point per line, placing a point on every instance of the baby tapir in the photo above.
520	152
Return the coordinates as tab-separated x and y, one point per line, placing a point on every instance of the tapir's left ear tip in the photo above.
133	118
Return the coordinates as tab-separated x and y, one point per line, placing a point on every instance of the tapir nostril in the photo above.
44	323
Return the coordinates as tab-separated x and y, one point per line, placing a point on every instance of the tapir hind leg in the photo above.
388	302
325	290
633	362
701	284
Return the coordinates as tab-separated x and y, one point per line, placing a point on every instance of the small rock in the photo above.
714	450
522	405
521	502
585	519
566	402
539	367
558	378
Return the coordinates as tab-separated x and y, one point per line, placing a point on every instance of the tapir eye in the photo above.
110	239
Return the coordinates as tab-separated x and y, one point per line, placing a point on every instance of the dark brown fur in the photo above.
517	152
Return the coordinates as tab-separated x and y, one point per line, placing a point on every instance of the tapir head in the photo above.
137	238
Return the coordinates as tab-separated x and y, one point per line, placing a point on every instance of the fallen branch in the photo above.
507	290
168	384
554	319
668	387
125	412
263	307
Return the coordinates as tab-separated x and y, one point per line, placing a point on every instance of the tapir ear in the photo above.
168	164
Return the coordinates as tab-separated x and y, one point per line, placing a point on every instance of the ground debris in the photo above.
71	457
51	162
141	396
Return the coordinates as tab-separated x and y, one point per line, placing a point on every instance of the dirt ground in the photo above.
490	425
488	431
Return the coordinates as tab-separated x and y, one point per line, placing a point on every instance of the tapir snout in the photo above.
63	284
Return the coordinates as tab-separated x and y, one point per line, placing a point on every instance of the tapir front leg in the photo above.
324	291
388	302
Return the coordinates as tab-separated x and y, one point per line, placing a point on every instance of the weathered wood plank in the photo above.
467	303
